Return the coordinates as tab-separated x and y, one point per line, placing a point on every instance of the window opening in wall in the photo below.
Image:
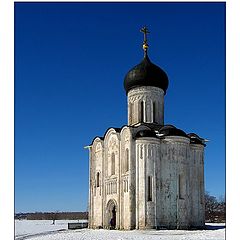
141	111
130	113
127	160
149	188
98	179
141	151
154	112
125	185
113	164
181	186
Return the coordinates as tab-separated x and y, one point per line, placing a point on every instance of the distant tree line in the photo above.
215	210
52	216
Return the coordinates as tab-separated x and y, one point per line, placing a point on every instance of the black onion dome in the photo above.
145	133
146	74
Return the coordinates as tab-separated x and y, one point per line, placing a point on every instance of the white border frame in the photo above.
7	116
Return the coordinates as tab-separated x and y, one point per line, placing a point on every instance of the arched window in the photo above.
126	160
113	164
98	176
154	112
141	111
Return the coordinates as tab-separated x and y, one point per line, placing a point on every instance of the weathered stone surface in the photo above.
148	182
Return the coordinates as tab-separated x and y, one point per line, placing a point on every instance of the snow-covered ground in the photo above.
44	230
26	228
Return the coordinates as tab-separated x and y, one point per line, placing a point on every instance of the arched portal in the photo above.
111	214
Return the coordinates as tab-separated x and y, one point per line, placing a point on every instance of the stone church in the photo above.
146	174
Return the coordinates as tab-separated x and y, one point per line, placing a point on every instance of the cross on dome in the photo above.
145	31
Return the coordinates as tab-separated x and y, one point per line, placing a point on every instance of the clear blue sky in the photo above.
70	62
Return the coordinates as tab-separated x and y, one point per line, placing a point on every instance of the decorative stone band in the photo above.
111	186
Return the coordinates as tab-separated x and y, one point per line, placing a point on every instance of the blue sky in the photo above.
70	62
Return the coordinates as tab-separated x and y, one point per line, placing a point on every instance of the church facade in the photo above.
146	174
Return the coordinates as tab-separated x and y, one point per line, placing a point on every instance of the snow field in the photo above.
24	228
31	230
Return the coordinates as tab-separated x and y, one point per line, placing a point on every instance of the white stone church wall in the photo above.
151	172
174	165
197	185
176	169
112	178
125	158
182	156
97	183
132	184
168	185
140	184
145	168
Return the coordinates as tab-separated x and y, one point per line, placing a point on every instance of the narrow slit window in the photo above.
127	160
141	151
130	113
149	188
113	164
154	112
141	111
181	186
98	179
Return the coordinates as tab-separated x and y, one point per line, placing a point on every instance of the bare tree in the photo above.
215	211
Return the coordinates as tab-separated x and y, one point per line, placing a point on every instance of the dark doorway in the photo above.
114	217
111	216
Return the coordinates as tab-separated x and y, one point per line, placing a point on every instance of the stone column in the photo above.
90	190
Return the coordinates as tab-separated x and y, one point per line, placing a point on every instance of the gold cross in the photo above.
145	31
